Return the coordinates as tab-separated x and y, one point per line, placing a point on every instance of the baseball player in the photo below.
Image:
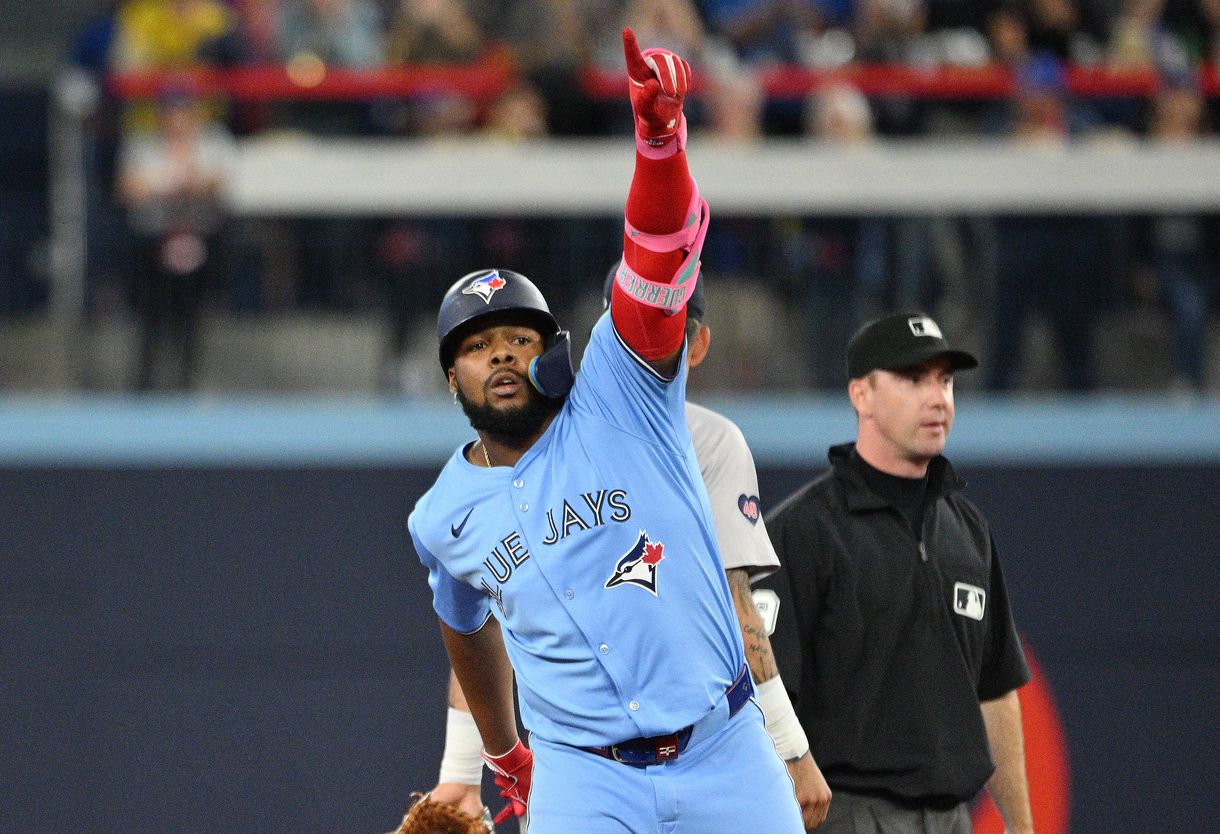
728	472
574	536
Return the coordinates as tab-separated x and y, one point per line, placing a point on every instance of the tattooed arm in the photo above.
811	789
753	634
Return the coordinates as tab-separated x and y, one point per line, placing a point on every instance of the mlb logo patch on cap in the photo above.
969	600
924	326
900	341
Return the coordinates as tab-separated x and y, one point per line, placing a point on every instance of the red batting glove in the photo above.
658	80
514	774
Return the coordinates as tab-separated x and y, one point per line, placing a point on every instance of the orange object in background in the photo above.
1046	761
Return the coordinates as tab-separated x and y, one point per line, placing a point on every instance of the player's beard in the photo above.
510	425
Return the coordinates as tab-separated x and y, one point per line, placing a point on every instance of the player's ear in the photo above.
697	349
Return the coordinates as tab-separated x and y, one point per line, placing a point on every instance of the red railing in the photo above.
486	79
942	83
305	80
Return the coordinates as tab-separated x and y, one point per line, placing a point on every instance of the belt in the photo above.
639	752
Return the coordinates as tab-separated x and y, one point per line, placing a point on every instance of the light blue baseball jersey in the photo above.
598	556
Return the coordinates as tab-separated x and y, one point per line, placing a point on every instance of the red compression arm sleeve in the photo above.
660	195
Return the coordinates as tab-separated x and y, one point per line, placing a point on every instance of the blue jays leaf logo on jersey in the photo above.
486	286
639	565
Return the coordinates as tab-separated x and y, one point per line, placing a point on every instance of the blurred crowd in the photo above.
163	249
549	43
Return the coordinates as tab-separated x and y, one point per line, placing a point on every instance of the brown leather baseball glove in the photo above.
426	817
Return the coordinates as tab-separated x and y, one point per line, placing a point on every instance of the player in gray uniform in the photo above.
571	548
727	468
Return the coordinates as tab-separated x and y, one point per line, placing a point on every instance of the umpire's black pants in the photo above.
853	813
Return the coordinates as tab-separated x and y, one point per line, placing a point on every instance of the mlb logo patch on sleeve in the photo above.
969	600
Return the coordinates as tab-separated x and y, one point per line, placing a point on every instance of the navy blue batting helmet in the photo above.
488	291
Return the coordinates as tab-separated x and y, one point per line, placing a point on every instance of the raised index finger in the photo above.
637	68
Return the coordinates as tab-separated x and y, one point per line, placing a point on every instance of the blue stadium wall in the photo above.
212	619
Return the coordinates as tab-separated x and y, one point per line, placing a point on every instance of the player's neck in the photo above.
496	450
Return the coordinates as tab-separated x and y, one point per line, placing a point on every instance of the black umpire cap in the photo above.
901	340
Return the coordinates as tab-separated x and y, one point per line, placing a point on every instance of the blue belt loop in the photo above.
740	691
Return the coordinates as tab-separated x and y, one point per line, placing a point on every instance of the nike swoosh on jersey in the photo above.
457	531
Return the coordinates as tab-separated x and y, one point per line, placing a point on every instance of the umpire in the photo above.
890	619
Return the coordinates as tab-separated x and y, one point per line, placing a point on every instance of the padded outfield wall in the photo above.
212	618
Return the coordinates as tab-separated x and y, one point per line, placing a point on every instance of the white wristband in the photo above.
462	762
782	724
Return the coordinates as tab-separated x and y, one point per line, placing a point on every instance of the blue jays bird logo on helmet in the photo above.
639	565
486	286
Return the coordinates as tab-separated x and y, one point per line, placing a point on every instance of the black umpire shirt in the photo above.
888	640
